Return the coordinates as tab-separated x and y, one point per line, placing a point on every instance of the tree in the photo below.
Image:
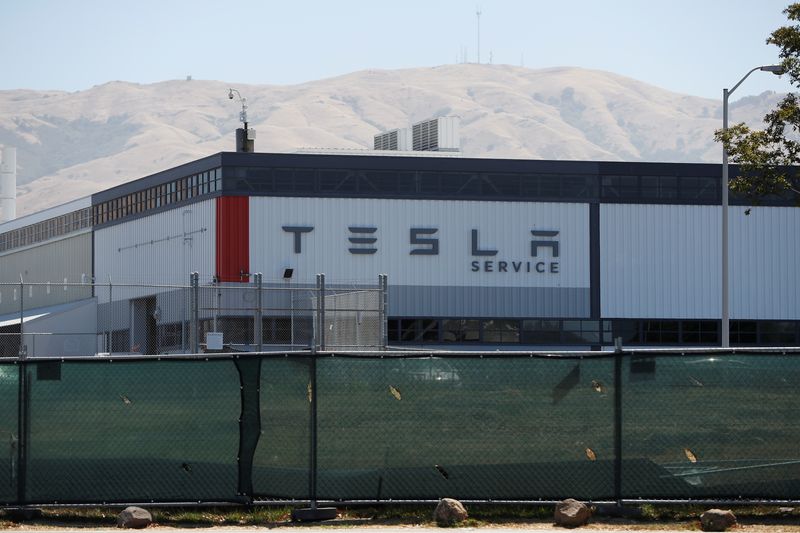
764	155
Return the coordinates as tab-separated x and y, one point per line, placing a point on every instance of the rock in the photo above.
134	518
572	513
717	520
449	512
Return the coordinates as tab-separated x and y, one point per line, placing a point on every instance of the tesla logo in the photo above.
363	240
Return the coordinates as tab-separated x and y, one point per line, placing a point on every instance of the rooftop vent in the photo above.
432	135
393	140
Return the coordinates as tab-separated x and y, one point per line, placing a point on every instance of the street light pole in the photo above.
726	93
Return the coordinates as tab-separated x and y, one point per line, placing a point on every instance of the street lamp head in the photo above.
775	69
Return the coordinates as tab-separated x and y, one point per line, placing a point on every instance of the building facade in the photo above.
483	253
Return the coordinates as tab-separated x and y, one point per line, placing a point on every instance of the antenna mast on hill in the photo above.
478	14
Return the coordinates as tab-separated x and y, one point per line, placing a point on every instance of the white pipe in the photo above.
8	184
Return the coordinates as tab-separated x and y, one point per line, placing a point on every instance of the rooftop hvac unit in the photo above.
436	135
399	139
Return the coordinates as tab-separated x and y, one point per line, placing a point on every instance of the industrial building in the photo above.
479	253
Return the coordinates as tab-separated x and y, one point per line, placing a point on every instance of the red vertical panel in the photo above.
233	238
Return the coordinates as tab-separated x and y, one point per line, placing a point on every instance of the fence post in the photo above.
109	317
258	325
23	352
313	472
313	513
384	302
618	354
194	333
320	330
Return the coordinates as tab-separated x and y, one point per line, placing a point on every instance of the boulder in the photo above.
717	520
572	513
134	518
449	512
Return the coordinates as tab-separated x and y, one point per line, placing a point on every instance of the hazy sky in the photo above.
695	47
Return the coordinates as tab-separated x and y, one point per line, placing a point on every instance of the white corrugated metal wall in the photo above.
664	261
159	249
502	226
659	261
765	255
453	282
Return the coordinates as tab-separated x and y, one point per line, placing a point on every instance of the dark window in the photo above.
284	180
579	186
660	331
428	330
461	184
414	330
258	172
529	184
620	187
699	189
585	331
700	331
455	330
743	332
121	341
337	181
659	187
170	336
429	183
501	331
276	330
387	182
304	181
393	330
541	331
549	186
777	333
236	330
628	331
501	185
408	330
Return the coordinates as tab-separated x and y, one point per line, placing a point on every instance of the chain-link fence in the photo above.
381	427
74	319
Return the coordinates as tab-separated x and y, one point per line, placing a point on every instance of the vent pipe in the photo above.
8	184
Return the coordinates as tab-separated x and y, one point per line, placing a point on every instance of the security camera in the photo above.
230	94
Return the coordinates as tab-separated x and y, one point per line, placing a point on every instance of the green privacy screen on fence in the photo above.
282	458
133	431
717	426
9	431
379	427
475	428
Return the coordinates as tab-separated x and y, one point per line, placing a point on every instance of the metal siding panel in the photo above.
159	249
68	258
660	261
488	302
765	252
504	226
